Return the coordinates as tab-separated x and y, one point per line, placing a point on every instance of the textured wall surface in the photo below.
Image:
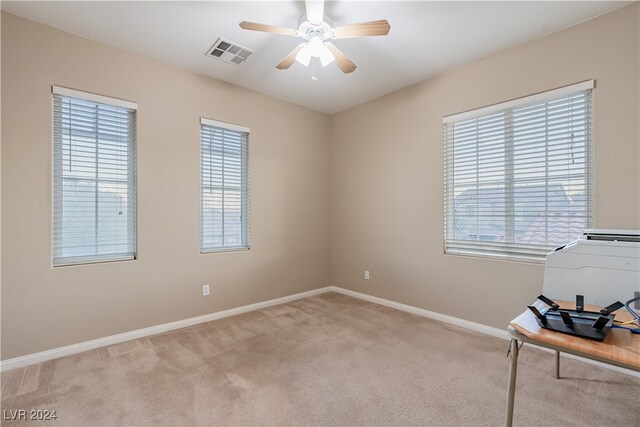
45	307
387	170
330	196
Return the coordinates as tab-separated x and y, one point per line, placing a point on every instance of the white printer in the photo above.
602	265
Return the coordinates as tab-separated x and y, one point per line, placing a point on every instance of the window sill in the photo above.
226	249
91	261
510	258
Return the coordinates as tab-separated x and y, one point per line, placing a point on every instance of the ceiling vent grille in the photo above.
229	52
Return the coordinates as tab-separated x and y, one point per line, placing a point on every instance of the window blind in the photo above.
518	176
224	187
94	179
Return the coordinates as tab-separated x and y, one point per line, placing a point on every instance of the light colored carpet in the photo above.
325	360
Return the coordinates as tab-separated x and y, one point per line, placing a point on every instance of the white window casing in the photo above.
87	96
518	175
224	186
94	178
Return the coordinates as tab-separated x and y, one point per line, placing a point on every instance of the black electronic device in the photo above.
587	324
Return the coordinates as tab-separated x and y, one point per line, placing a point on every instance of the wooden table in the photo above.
619	348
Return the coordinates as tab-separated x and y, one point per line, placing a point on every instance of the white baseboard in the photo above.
478	327
30	359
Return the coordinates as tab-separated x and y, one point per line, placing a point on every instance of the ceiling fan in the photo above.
316	32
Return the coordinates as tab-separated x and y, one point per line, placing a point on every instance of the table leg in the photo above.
557	364
511	394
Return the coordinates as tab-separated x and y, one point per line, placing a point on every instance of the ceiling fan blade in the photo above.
315	11
268	28
290	58
363	29
341	59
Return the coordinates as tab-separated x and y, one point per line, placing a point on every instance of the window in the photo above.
94	178
224	186
518	177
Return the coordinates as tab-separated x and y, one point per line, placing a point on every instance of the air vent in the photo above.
229	52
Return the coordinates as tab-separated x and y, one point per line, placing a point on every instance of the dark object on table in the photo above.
587	324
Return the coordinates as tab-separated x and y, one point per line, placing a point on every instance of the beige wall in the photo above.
45	307
361	190
387	170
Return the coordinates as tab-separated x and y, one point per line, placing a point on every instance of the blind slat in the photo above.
94	186
518	181
224	187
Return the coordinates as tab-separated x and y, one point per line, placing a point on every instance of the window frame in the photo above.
245	190
57	179
510	250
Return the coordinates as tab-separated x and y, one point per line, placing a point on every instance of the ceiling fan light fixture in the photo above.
304	56
316	47
326	57
316	32
307	52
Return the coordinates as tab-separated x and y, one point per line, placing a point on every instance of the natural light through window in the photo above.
224	186
94	185
518	175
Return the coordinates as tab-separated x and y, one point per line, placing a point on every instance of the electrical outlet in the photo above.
205	290
366	275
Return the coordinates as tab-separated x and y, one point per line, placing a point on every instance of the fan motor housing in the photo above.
307	31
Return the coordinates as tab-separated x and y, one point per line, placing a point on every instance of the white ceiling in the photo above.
426	38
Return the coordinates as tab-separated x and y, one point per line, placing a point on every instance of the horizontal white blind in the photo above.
224	189
518	182
94	183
